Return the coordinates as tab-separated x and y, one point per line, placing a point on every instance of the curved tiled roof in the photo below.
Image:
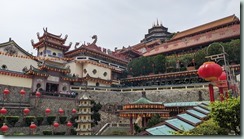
210	25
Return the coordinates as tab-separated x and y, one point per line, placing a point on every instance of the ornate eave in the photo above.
15	74
89	78
34	71
54	68
94	52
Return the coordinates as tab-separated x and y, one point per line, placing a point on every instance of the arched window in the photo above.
54	54
97	84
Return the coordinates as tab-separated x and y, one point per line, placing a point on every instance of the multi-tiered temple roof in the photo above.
51	40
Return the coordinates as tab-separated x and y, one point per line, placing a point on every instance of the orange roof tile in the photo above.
207	26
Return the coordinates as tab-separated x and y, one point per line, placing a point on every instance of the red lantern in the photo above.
60	111
38	94
69	124
55	124
32	126
3	111
26	111
210	71
73	111
4	128
22	92
223	76
6	91
47	111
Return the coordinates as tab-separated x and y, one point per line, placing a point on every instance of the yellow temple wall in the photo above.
15	81
100	71
76	68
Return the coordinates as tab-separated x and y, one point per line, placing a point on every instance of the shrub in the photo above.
11	120
47	132
73	132
59	133
19	134
62	119
29	119
50	119
39	120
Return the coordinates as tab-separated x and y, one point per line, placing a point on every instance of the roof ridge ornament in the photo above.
95	39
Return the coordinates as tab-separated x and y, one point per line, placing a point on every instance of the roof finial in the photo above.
157	22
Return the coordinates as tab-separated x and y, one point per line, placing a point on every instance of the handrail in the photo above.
137	88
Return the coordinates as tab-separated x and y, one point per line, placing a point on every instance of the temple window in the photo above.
85	71
60	55
64	88
105	74
54	54
94	71
38	85
40	53
4	67
84	126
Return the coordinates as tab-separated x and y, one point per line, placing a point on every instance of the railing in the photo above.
84	121
109	125
141	88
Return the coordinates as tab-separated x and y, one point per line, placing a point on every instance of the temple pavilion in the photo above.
143	109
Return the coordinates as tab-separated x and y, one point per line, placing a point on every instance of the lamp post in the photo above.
5	92
69	125
22	94
55	126
33	127
222	56
38	95
4	128
210	71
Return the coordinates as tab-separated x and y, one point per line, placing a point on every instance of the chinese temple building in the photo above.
143	109
84	116
157	32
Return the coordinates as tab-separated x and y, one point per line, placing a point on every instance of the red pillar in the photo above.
211	92
221	93
131	125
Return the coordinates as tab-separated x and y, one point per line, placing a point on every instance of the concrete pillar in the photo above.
131	125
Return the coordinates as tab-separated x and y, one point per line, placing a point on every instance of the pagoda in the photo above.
52	75
157	32
84	116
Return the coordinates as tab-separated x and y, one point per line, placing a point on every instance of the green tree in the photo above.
209	127
154	120
96	115
227	114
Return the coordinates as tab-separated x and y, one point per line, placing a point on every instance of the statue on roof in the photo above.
95	39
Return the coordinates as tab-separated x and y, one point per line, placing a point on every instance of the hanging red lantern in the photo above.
222	77
210	71
69	124
22	92
47	111
26	111
4	128
6	91
73	111
33	126
60	111
3	111
55	124
38	94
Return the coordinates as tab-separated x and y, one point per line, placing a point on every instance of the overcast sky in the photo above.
117	23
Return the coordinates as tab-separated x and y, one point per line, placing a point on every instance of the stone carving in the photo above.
95	39
11	50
